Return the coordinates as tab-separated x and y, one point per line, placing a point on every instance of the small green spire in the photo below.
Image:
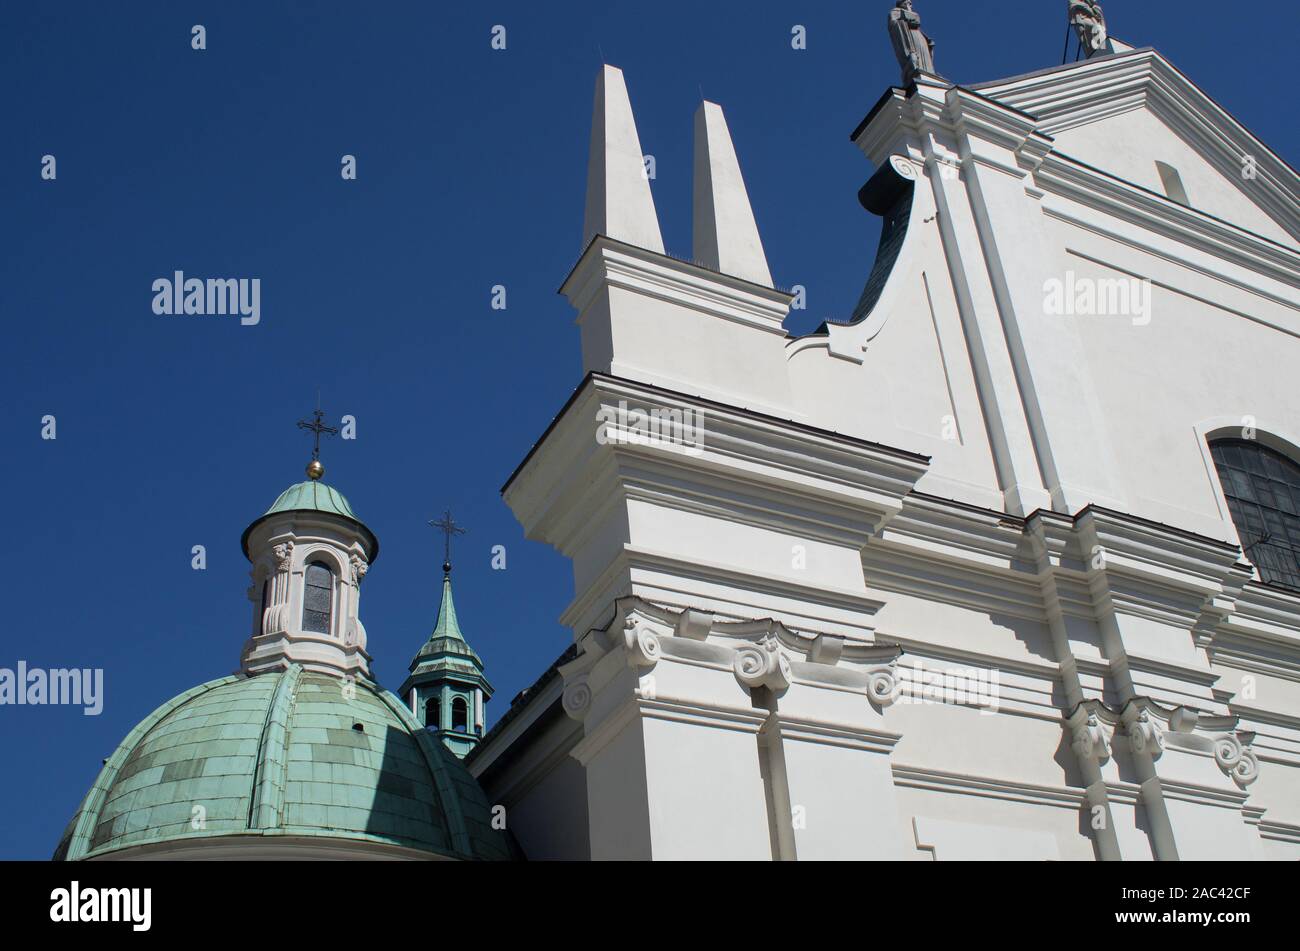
447	625
446	688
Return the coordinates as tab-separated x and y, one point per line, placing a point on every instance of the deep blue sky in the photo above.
180	431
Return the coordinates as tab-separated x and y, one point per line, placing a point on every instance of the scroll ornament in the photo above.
577	697
1145	736
1234	759
762	665
643	647
883	686
1090	739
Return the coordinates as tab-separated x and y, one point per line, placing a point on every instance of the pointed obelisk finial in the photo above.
619	203
725	233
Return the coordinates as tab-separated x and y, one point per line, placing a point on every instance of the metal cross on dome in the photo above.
448	527
316	426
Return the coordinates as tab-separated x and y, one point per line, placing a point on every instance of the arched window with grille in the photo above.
460	715
433	713
1262	487
317	598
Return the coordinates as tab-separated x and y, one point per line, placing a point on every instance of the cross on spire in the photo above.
316	426
448	527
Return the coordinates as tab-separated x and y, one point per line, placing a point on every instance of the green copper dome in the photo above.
291	753
314	496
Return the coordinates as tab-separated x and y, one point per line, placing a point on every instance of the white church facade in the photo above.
1004	565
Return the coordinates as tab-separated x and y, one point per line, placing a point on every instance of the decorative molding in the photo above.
1089	737
1144	735
694	624
762	665
1235	759
608	262
577	697
662	623
803	730
1152	728
1078	94
761	653
921	777
643	647
882	685
1279	830
793	478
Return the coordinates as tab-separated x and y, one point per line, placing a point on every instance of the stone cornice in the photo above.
894	566
1147	568
608	262
1021	115
901	115
1261	634
1203	795
1096	89
1281	831
1185	672
834	734
1092	188
921	777
958	532
631	558
1029	667
982	120
493	747
744	465
1098	560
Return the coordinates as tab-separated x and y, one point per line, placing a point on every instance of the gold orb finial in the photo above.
315	470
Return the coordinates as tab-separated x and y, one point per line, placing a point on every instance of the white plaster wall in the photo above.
549	821
1157	382
931	620
618	798
1128	146
965	741
706	793
915	388
962	827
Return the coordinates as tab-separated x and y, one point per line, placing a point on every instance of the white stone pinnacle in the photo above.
725	233
619	203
